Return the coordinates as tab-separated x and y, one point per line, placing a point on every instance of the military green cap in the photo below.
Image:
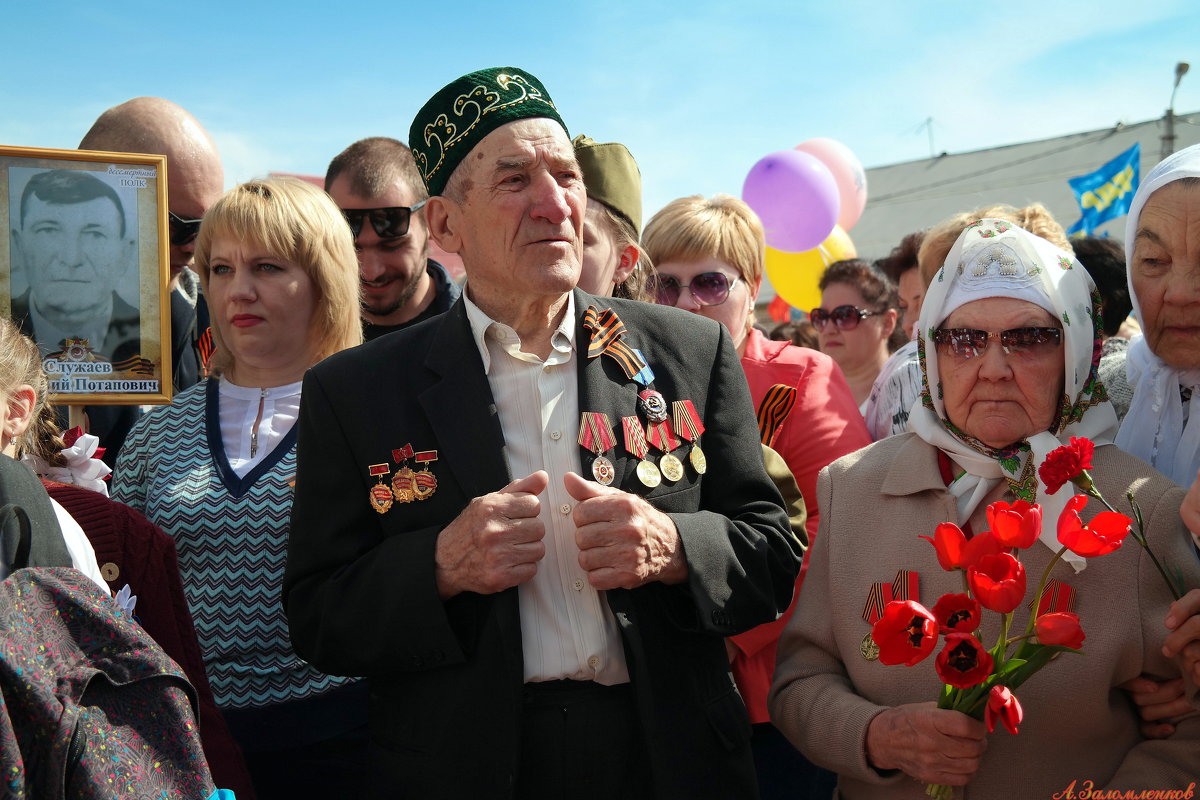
612	177
465	111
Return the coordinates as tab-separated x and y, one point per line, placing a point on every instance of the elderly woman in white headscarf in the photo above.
1162	250
1008	347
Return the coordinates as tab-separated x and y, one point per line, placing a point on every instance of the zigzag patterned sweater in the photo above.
231	534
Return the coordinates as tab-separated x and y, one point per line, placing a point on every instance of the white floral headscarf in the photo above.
995	258
1154	429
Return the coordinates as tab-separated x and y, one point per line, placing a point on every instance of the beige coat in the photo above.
1078	726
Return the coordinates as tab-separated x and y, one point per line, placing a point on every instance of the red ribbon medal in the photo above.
595	435
689	426
635	443
424	483
380	494
906	586
1057	596
402	482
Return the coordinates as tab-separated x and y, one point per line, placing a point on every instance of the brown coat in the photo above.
1078	726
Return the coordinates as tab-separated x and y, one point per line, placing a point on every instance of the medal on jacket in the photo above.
659	433
424	483
381	495
402	481
595	435
906	586
1057	596
635	443
689	427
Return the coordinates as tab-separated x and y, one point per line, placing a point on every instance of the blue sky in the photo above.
698	91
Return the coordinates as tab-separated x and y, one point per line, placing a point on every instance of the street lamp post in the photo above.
1168	137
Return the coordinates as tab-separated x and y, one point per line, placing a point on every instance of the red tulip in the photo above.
1003	705
998	582
1104	534
1060	627
1015	525
957	613
1068	463
963	662
906	633
956	551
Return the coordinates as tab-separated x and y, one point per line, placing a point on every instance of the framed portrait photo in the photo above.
84	270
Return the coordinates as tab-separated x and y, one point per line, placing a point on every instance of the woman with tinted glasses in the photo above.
856	321
216	468
1008	352
709	258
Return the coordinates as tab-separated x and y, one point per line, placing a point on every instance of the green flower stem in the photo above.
1001	647
1037	600
1139	534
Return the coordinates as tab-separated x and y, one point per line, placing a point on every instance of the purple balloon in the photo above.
796	197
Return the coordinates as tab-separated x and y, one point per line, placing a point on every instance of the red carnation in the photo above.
956	551
957	613
1104	534
998	582
1017	524
963	662
1068	463
906	633
1062	628
1003	705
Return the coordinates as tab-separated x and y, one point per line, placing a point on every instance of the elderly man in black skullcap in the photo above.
529	632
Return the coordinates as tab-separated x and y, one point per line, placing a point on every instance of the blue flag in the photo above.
1106	193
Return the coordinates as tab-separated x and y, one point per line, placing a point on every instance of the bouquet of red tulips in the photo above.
977	680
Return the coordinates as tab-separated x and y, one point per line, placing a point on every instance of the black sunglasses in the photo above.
707	288
389	223
846	318
969	343
182	231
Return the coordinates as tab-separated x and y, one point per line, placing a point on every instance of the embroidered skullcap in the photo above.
612	177
466	110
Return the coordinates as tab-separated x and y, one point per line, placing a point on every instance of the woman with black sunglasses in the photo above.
856	322
709	259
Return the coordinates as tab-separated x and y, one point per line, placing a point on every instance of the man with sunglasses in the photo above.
376	184
563	635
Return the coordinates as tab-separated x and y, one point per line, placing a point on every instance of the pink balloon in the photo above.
796	198
847	171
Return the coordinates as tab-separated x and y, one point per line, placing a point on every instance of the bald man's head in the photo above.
153	125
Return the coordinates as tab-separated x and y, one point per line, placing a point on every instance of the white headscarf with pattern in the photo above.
995	258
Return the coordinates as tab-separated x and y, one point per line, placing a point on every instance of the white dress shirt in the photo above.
567	629
276	410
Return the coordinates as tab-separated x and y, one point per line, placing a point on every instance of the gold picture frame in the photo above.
84	270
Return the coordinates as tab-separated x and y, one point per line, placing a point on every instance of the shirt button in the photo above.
555	435
594	662
578	585
564	508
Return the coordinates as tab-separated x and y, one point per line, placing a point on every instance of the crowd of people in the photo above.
580	526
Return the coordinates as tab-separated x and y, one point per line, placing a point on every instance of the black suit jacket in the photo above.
446	677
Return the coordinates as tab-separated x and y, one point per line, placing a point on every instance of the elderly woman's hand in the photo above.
930	744
1183	620
1159	703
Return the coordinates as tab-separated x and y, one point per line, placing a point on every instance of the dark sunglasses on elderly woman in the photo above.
969	343
182	231
846	318
389	223
707	288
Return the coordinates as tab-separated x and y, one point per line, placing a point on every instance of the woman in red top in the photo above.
709	255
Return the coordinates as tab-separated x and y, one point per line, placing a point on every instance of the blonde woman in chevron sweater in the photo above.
216	468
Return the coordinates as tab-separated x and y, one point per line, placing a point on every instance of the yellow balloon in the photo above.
794	276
